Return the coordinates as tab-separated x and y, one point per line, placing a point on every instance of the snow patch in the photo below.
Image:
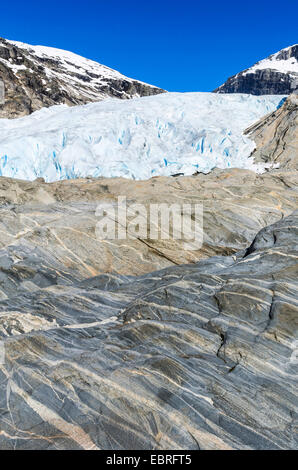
274	62
75	64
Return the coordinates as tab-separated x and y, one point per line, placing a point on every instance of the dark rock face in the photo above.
197	356
34	79
261	82
289	53
267	79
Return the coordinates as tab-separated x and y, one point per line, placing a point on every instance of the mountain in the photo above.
158	135
38	76
119	344
276	136
275	75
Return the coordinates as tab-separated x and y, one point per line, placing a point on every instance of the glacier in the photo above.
157	135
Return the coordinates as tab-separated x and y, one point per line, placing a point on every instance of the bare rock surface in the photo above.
196	356
60	217
276	136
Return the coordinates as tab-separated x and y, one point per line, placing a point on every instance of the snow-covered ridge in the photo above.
280	61
138	138
72	62
39	76
275	75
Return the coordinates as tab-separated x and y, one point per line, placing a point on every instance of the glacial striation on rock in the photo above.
60	218
275	75
37	76
198	356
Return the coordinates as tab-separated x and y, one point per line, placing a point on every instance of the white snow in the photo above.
139	138
70	62
288	66
14	67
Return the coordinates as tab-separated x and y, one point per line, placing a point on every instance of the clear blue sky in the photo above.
185	45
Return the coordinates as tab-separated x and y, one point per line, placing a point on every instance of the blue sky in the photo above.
184	45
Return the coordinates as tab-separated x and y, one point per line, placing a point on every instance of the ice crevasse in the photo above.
139	138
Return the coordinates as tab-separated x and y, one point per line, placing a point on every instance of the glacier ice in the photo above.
139	138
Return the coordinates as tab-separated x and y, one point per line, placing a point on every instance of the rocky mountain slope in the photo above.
191	357
36	76
276	136
275	75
